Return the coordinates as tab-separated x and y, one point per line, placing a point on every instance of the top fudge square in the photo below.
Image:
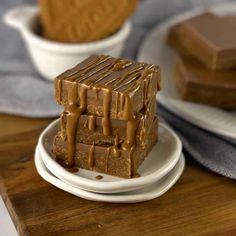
108	87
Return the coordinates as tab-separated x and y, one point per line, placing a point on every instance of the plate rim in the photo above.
134	198
106	187
198	122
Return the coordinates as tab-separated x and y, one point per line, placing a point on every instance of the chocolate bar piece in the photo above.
197	84
90	128
106	86
76	21
108	159
209	38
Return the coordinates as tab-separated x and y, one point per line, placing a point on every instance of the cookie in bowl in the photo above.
74	21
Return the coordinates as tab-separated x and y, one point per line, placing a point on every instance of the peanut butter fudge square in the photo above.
209	38
109	118
90	127
78	21
123	87
198	84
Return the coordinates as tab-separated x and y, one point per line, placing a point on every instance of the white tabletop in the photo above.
6	225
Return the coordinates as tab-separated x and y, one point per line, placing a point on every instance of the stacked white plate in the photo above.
155	50
158	173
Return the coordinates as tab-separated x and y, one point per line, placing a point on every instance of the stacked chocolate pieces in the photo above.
109	123
205	70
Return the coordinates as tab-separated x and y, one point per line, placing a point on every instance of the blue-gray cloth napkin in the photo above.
23	92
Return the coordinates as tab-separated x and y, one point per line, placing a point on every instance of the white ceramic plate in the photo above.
147	193
160	161
155	50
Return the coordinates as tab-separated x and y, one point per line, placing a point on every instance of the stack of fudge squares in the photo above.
109	123
205	69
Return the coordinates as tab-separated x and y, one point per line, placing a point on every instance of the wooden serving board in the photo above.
201	203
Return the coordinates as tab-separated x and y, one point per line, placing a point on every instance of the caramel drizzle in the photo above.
58	88
62	125
99	177
117	104
95	74
87	68
126	79
91	122
98	74
74	108
106	122
97	93
131	130
104	73
112	151
91	156
115	151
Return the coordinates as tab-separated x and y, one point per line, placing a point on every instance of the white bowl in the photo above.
159	162
145	194
52	58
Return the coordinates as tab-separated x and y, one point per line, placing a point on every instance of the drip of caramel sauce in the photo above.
131	129
99	177
73	169
92	122
75	107
91	156
106	122
115	150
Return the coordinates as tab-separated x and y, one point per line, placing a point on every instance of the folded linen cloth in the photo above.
212	151
23	92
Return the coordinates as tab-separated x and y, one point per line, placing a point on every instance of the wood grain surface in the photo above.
201	203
